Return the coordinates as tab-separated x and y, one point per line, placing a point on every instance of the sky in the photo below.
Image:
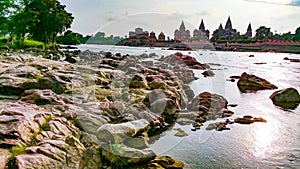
118	17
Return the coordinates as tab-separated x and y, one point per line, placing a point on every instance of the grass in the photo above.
28	43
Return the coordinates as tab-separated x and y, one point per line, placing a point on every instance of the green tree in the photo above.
7	8
263	33
297	34
46	18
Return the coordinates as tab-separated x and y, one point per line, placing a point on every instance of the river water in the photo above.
275	144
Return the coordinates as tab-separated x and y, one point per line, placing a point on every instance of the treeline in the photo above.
262	34
38	20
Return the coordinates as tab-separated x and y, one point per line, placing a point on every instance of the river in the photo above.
274	144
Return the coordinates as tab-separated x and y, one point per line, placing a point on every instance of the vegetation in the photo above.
100	38
72	38
39	20
262	34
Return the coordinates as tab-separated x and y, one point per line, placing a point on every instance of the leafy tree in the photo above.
288	36
263	33
46	18
297	34
7	8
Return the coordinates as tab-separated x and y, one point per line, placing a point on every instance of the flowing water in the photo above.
275	144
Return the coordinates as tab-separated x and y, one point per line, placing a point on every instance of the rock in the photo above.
181	133
184	121
235	77
53	83
138	81
286	98
213	102
219	126
249	82
227	113
28	161
164	106
136	142
42	97
232	105
116	133
208	73
122	155
165	162
4	158
249	119
251	56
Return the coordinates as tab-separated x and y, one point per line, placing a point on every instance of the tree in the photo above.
297	34
263	33
46	18
7	8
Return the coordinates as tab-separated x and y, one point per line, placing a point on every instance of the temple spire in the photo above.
182	27
228	24
249	31
220	27
202	27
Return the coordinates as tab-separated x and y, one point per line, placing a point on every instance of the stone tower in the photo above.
202	27
182	27
228	24
249	31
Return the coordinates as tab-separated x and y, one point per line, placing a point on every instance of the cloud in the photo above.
178	15
112	17
203	13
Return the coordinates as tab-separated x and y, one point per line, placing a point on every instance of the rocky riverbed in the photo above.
100	110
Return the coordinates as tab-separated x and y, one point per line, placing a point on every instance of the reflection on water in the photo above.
264	138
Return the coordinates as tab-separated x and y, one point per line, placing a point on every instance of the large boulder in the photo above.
208	102
117	133
121	155
248	82
286	98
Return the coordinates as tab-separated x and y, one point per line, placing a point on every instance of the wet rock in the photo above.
208	73
165	162
235	77
249	119
249	82
212	102
227	113
181	133
286	98
219	126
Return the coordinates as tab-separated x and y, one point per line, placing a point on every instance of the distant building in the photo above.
201	33
228	32
249	31
152	38
182	34
161	36
138	37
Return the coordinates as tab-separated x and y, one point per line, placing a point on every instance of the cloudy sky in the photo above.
117	17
